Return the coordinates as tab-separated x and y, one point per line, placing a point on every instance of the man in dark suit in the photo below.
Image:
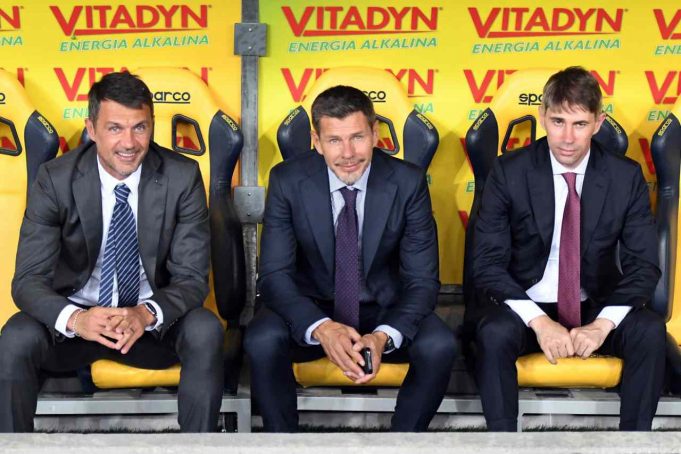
348	260
547	268
113	263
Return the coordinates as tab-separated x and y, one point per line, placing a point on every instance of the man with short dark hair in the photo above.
348	261
113	264
565	259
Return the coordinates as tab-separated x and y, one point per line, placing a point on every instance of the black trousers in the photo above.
195	341
271	351
501	337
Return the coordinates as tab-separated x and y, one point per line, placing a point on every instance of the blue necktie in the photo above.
346	304
121	255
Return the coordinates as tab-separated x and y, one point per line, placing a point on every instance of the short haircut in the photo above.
339	102
121	87
574	87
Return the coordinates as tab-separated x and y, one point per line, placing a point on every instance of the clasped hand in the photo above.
557	342
115	327
343	344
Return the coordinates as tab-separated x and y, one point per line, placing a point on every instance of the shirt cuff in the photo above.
308	334
159	316
526	309
395	335
63	319
614	313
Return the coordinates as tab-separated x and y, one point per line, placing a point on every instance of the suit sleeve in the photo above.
492	242
278	246
189	257
638	250
418	265
38	254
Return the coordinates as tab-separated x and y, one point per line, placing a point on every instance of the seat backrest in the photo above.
404	132
187	119
511	121
27	140
665	148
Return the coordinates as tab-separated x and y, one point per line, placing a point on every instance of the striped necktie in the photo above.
121	255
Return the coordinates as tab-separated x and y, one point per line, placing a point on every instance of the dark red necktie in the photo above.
569	305
346	301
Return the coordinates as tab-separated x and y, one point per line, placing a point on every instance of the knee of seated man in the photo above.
22	336
203	330
436	345
498	329
265	336
648	330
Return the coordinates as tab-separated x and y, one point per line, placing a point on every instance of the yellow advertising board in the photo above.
452	57
58	49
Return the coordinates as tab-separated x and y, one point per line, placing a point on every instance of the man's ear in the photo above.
374	133
541	111
315	141
90	127
600	118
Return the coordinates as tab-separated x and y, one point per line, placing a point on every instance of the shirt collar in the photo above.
109	182
559	168
335	183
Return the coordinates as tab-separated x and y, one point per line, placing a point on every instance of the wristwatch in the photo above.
389	344
150	307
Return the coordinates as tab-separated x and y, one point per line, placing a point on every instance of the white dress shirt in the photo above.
89	294
337	204
546	290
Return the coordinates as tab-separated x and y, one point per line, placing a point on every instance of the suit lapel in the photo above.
87	194
594	191
316	200
153	191
379	200
542	196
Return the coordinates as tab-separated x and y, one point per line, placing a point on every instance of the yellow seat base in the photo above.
596	372
108	374
323	372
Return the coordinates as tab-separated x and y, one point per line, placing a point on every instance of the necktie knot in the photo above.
570	179
349	196
121	191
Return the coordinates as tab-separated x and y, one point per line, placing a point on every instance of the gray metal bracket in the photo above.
249	202
250	38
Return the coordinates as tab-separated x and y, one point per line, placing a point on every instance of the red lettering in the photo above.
609	86
483	28
647	155
72	88
667	28
67	26
13	20
658	92
298	90
297	26
479	91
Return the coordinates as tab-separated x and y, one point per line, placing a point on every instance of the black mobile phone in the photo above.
368	367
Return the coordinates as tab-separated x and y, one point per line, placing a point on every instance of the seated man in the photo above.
348	260
113	263
546	265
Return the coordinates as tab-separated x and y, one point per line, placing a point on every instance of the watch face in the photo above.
151	308
389	344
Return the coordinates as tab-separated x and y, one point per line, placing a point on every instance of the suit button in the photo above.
535	280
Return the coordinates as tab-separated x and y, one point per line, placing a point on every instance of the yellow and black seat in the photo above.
27	140
511	122
665	148
188	120
403	132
